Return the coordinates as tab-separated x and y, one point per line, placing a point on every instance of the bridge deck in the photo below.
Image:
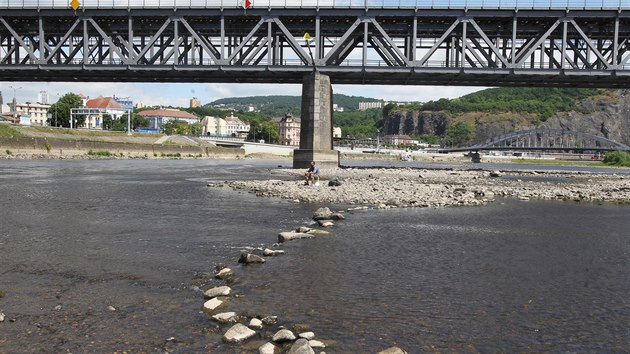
368	42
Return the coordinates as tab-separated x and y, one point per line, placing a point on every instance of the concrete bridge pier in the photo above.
316	142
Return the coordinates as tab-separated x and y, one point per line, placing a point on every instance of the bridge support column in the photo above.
316	124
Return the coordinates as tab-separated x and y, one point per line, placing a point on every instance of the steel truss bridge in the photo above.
547	139
559	43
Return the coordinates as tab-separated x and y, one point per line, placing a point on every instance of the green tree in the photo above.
138	121
427	138
60	111
265	130
176	127
120	124
108	122
617	158
458	133
195	129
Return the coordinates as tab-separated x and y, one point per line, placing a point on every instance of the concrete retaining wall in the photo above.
26	145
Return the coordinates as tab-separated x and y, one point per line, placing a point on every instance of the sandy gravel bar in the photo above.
407	187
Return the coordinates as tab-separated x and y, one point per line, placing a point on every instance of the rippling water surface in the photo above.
79	236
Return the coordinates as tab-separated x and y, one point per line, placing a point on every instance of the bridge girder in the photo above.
383	46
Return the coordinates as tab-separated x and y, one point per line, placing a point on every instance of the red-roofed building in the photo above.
96	108
157	117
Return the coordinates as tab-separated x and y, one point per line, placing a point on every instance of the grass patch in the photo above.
83	132
7	130
104	153
1	294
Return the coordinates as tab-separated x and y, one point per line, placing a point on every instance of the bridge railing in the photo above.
341	4
542	65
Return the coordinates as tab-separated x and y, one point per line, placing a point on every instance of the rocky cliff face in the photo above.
602	116
415	122
607	116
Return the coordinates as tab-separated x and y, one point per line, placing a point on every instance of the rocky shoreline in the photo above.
408	187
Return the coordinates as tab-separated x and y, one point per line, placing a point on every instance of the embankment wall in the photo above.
53	146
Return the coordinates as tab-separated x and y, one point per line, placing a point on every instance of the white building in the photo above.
32	113
289	127
236	127
214	126
42	97
368	105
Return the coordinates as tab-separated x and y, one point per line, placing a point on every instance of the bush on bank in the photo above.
617	158
100	153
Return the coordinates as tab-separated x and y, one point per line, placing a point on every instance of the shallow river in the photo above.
140	236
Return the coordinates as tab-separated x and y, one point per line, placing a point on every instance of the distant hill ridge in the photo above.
277	105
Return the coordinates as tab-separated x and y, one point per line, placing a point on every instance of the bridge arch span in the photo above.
550	139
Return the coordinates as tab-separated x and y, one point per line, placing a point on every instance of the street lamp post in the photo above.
56	104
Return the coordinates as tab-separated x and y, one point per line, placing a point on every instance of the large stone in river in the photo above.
212	304
325	223
316	344
238	333
301	346
255	323
268	348
322	213
217	291
225	317
392	350
283	335
307	335
291	235
224	273
248	258
337	216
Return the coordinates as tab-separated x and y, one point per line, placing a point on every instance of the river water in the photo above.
79	236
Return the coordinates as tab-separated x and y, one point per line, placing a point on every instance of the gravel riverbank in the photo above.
407	187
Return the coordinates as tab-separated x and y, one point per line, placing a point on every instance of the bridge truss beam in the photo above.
384	46
548	139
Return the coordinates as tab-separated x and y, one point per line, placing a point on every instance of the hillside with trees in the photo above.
543	102
278	106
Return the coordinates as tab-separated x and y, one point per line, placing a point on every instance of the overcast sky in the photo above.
180	94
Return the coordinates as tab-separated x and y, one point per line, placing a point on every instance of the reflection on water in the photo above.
137	235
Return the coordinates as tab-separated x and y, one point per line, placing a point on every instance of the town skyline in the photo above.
179	94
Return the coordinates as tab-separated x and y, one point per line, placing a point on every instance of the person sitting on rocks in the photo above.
312	174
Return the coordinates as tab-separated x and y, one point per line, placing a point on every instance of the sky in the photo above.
179	95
